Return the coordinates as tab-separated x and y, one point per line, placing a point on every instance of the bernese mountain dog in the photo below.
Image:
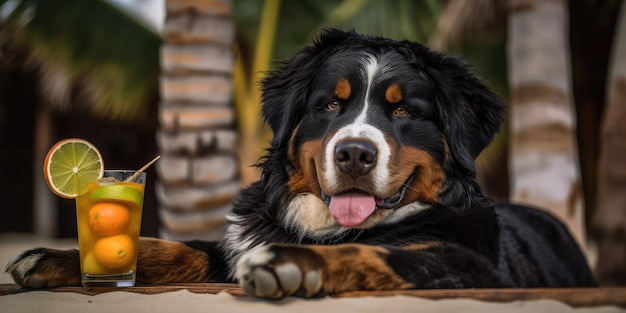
369	184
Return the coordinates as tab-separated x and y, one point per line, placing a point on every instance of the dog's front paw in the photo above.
41	268
275	272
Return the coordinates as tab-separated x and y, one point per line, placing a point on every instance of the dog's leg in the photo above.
42	267
162	261
311	270
159	261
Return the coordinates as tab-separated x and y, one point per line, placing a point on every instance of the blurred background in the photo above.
179	78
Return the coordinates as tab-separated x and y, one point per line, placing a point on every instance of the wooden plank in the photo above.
575	297
209	288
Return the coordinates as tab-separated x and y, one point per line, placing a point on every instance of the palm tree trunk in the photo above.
543	150
45	210
609	220
198	172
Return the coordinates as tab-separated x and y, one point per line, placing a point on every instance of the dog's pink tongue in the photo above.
351	209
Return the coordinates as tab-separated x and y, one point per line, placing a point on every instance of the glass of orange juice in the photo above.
109	222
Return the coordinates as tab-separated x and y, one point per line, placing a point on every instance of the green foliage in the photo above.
301	21
487	55
110	60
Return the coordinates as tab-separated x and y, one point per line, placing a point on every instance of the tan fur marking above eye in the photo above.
393	94
343	90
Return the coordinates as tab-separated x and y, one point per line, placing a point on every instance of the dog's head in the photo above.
371	130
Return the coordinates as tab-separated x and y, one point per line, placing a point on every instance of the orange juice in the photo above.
109	223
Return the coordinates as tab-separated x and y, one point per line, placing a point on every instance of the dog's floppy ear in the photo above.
285	94
470	113
285	91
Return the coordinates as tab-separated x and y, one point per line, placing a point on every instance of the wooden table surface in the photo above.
575	297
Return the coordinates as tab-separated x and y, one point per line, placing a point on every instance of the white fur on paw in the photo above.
254	277
260	255
261	275
23	265
19	266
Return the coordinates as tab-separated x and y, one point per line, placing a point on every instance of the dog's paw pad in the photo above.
289	276
263	273
312	282
255	276
265	283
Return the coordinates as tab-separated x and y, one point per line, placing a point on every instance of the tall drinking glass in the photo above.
109	222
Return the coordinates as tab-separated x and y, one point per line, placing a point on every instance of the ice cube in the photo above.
106	181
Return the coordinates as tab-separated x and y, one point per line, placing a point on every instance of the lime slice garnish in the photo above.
71	165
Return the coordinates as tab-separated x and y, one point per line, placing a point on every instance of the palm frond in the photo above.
88	52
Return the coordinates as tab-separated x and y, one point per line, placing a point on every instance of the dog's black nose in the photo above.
355	157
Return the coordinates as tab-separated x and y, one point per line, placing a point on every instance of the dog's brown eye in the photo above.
333	105
400	111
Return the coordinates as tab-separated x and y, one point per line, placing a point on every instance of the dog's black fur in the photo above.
359	120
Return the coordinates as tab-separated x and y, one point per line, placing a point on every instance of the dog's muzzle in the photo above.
355	157
352	208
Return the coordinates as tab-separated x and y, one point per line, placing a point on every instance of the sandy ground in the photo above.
184	301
